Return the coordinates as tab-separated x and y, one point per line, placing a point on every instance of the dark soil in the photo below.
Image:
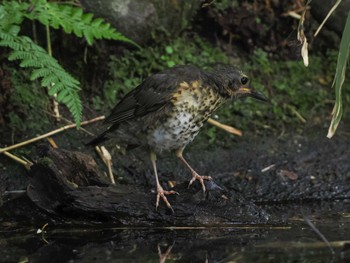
309	181
263	171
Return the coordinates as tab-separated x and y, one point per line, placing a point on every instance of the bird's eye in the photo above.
244	80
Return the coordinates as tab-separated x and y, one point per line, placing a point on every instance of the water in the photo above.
294	241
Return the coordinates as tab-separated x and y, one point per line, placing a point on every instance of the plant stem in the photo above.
225	127
27	165
2	150
49	51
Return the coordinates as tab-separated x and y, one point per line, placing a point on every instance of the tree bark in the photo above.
69	185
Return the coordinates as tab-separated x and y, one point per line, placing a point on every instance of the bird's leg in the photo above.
160	191
167	255
195	175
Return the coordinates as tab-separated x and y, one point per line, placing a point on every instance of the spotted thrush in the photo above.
167	110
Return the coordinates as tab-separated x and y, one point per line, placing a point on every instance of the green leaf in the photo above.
54	89
73	20
169	50
29	62
343	57
44	67
39	73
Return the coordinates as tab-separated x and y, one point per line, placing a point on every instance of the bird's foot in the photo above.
200	178
167	255
161	193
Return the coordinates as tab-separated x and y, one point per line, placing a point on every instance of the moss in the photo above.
46	161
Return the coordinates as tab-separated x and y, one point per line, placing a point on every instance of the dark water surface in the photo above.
294	241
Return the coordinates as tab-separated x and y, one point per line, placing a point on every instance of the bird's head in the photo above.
233	83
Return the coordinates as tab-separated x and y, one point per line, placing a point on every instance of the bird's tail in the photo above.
98	139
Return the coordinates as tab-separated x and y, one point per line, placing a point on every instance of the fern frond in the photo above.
39	73
63	96
56	88
74	105
49	81
30	63
18	53
9	43
46	68
73	20
11	13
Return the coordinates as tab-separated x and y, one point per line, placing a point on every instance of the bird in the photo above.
167	110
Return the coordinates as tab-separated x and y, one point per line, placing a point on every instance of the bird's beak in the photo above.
258	96
250	92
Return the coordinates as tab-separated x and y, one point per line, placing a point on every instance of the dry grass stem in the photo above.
26	164
2	150
225	127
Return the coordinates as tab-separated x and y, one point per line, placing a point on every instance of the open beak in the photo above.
249	92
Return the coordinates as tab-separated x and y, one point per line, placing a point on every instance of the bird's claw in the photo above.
200	178
162	194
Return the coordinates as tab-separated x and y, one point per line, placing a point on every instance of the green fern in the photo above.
46	68
11	13
72	20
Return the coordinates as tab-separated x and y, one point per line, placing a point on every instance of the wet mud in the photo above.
274	185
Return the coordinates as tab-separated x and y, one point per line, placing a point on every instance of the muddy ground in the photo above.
308	180
270	170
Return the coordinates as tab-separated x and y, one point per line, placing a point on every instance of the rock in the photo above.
138	19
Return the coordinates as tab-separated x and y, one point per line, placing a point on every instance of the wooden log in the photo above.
69	185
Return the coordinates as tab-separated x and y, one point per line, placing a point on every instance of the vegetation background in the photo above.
60	51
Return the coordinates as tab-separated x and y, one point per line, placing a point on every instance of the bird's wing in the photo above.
146	98
152	95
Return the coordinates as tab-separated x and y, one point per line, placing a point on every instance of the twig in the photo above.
314	228
52	143
26	164
70	126
328	15
268	168
15	192
70	122
225	127
207	4
49	51
2	150
293	110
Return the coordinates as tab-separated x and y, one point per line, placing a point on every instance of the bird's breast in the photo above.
191	107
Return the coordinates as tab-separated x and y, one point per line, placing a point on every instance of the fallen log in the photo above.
69	185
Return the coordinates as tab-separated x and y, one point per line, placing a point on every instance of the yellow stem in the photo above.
2	150
27	165
227	128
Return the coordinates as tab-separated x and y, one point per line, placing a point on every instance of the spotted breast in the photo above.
192	103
